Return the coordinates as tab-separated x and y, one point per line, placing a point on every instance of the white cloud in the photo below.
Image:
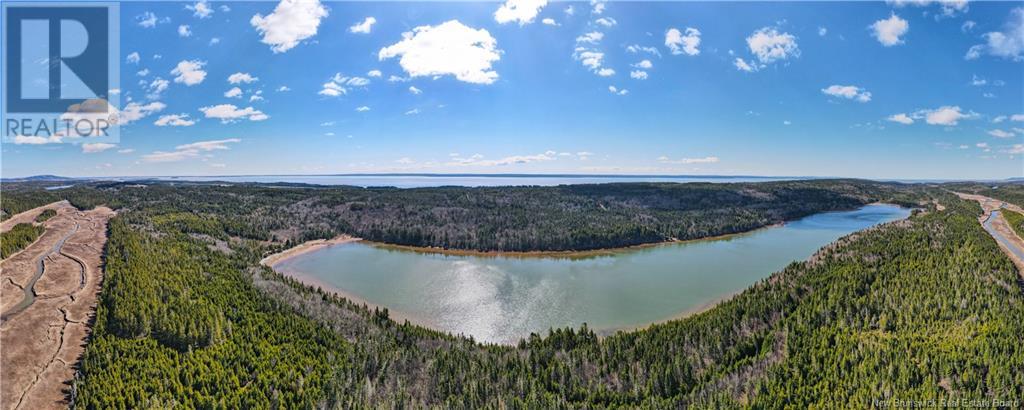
901	118
945	115
450	48
126	151
200	9
638	75
606	72
192	150
147	19
636	48
338	85
889	31
233	93
949	7
36	140
363	109
520	11
92	148
615	90
968	26
592	37
143	72
189	72
597	6
679	43
686	161
228	113
373	73
549	21
215	40
291	22
174	120
742	65
132	58
570	10
256	96
1001	134
981	145
848	92
1017	117
414	90
644	64
822	31
1008	44
238	78
978	81
413	111
1016	149
135	111
606	21
363	27
479	161
405	161
769	46
590	59
184	31
283	88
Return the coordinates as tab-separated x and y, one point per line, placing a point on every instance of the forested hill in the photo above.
920	309
570	217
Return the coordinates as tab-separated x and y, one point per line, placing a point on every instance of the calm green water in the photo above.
498	299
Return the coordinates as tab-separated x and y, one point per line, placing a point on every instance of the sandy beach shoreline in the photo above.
304	248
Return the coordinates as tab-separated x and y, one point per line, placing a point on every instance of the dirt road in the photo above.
47	298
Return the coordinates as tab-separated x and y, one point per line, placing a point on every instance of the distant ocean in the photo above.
467	180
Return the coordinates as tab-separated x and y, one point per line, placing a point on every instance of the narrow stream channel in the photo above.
30	292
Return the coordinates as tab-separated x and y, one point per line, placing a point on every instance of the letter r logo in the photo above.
56	57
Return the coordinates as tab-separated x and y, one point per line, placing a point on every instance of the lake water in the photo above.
503	299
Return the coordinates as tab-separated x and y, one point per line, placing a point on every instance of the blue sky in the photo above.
858	89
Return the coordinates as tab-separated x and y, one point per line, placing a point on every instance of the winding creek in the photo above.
502	299
29	289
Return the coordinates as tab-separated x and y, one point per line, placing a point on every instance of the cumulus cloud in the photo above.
238	78
187	151
889	31
638	75
743	65
373	73
520	11
189	72
37	140
364	26
233	93
92	148
606	21
184	31
1007	44
644	64
592	37
157	86
617	91
949	8
132	58
339	84
135	111
174	120
549	21
147	19
228	113
363	109
901	118
680	43
449	48
636	48
414	90
769	46
291	22
201	9
848	92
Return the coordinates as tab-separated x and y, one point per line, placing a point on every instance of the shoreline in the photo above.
304	248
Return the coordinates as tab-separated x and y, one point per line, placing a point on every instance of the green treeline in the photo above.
45	215
923	308
570	217
1016	221
16	239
